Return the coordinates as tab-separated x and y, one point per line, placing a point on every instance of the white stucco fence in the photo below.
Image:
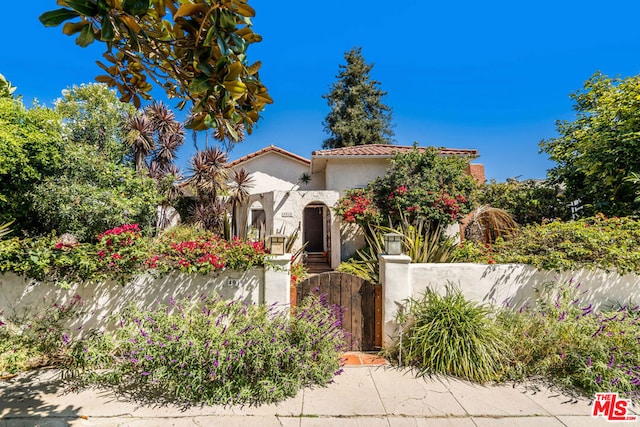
498	284
20	296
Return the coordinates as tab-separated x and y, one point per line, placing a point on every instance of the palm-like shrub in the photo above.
241	183
451	336
488	223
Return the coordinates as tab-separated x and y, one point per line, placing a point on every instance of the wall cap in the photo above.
395	259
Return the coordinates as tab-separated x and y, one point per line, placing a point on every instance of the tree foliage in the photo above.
529	201
93	187
93	115
195	51
357	114
63	169
90	194
596	152
30	149
6	89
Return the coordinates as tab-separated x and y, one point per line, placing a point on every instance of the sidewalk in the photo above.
364	395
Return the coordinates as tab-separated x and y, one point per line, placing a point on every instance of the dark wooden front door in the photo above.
361	301
314	228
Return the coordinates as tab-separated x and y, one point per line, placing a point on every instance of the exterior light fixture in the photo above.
276	244
393	244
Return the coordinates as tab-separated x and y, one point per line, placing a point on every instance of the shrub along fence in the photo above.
20	296
515	285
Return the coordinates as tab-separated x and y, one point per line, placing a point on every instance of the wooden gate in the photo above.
361	301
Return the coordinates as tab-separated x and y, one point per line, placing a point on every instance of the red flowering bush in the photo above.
357	207
419	186
122	252
450	205
209	252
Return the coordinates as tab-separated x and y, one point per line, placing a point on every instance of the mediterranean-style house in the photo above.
292	193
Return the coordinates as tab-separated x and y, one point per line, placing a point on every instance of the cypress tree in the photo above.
357	115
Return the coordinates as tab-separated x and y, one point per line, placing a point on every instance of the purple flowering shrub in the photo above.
35	339
574	344
215	352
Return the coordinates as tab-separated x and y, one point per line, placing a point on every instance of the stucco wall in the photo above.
273	171
351	239
19	295
343	174
288	216
513	285
516	284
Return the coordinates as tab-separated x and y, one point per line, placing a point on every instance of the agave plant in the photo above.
365	263
422	242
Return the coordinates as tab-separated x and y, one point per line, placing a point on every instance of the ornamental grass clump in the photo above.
575	345
214	352
446	334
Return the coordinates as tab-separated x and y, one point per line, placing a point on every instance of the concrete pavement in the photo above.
367	396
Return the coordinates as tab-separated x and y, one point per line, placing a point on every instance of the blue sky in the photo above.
490	75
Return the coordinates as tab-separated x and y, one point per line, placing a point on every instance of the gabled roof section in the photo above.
386	150
266	150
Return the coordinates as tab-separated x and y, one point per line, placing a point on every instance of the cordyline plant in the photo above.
195	51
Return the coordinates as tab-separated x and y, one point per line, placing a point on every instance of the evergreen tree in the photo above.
357	115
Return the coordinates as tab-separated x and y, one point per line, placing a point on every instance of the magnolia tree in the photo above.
196	51
419	186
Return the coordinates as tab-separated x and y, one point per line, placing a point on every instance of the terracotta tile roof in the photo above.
386	150
271	148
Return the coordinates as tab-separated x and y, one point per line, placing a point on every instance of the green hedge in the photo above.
122	252
610	244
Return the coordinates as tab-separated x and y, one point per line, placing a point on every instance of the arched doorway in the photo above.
257	221
316	234
313	226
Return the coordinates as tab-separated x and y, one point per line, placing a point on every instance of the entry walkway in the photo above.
367	396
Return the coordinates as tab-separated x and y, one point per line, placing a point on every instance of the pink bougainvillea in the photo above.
357	206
